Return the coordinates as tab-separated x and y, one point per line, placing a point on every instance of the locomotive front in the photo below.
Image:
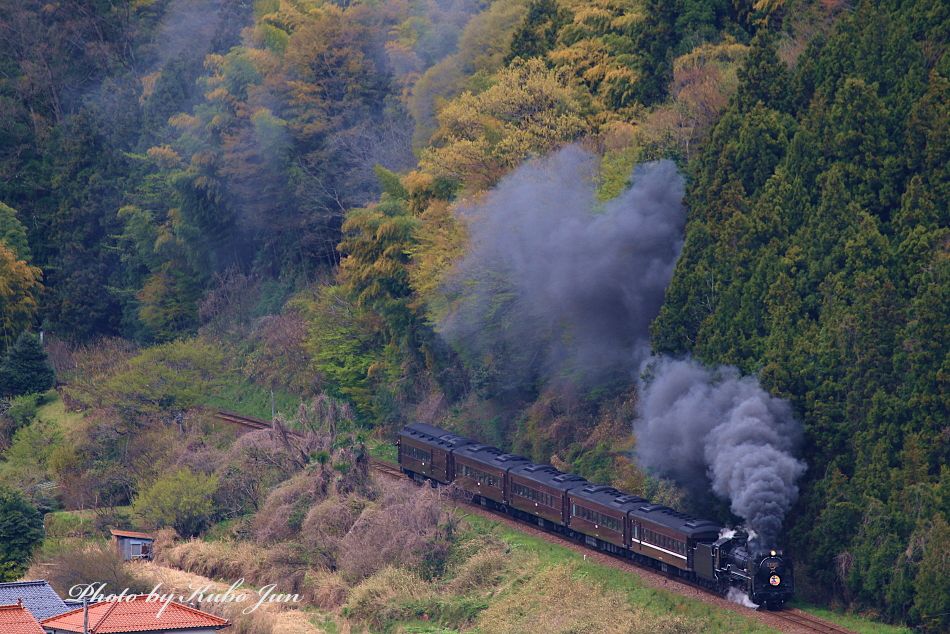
765	576
772	580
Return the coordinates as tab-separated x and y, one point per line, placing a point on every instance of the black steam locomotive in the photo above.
600	516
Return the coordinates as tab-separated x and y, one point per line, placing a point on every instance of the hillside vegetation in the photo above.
253	205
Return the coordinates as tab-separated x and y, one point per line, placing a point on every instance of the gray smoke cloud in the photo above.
557	285
696	423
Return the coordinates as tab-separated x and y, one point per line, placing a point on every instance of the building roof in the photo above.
38	597
132	534
137	615
16	619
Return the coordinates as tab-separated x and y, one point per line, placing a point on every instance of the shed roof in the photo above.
137	615
38	597
131	534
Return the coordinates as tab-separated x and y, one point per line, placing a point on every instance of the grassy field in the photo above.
54	410
252	400
698	616
382	450
854	622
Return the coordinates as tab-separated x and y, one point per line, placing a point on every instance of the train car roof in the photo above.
489	455
548	475
434	435
609	497
677	520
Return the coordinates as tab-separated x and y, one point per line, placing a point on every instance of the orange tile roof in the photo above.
133	534
138	615
16	619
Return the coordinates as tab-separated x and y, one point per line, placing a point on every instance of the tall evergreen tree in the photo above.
25	369
21	530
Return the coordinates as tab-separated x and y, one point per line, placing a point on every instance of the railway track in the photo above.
811	623
386	468
787	620
248	422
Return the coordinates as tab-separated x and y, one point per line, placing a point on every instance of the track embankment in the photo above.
792	621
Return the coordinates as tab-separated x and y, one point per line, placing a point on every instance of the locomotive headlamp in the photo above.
773	553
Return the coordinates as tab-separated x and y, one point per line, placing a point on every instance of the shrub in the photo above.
285	508
406	527
23	409
327	524
69	562
181	500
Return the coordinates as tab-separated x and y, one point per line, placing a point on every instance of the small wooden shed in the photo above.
132	545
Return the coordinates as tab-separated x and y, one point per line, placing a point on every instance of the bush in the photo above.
21	531
181	500
69	562
23	409
285	508
406	527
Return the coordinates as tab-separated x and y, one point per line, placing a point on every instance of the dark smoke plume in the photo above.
557	285
695	423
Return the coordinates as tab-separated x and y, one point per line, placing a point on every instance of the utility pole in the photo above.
85	615
272	412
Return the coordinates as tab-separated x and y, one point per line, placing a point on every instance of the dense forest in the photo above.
327	200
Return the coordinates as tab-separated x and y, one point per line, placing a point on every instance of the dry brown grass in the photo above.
326	590
219	560
482	570
270	618
555	600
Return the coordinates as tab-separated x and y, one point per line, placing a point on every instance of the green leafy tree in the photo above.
25	368
19	295
13	233
538	34
182	500
21	531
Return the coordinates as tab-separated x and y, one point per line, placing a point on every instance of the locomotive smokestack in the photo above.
696	423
